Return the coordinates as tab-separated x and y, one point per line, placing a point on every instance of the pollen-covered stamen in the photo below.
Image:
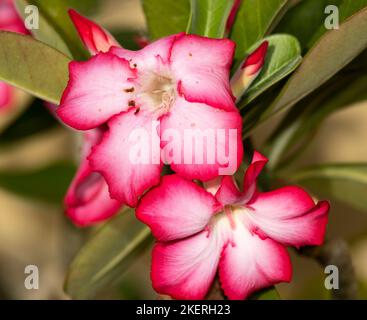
157	93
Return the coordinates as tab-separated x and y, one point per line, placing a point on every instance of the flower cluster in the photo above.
137	109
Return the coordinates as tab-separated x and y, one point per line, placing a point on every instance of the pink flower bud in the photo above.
248	71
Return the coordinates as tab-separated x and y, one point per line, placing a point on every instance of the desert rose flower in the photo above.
243	234
9	21
174	85
249	70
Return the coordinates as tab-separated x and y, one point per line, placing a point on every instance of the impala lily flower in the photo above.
249	70
180	82
9	21
243	234
87	200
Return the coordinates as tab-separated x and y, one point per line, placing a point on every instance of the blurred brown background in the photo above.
35	233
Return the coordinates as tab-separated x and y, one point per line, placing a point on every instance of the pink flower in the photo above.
87	200
243	234
179	83
249	70
9	21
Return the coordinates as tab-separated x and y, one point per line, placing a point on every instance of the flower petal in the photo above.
95	38
208	141
185	269
125	157
228	192
176	209
151	56
96	207
87	199
201	67
97	90
249	263
5	95
289	215
251	174
10	19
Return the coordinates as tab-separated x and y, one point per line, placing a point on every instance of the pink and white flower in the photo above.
181	81
9	21
242	234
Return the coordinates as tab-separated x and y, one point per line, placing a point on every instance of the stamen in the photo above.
228	212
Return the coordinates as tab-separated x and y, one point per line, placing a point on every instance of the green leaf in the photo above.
254	20
331	53
305	19
297	128
266	294
282	58
45	33
346	9
106	255
165	17
209	17
344	182
33	66
56	28
47	184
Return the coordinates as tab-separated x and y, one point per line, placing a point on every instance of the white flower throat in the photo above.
155	93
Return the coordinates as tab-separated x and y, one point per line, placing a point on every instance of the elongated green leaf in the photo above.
344	182
346	9
283	57
305	19
253	21
331	53
106	255
33	66
165	17
297	128
47	184
56	28
209	17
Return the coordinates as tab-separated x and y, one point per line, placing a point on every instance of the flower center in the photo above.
231	218
157	93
